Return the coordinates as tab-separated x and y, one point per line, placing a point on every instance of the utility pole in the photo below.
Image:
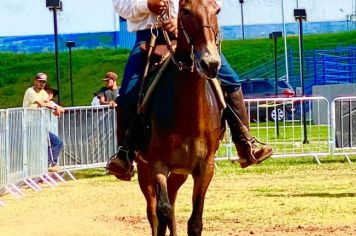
54	6
70	45
300	15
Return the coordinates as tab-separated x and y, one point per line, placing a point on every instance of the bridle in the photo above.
190	40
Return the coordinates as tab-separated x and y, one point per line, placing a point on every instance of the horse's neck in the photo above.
194	98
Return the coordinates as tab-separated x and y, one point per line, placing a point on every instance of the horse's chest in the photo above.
183	153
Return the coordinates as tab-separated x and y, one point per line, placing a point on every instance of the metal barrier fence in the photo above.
3	149
89	136
290	136
343	121
27	143
24	143
303	128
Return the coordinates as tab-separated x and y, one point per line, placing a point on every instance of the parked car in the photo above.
265	88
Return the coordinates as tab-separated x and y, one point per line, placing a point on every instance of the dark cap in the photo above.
110	75
41	76
53	90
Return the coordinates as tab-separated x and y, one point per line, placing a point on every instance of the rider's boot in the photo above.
249	150
120	164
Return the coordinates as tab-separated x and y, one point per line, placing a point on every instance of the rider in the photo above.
141	15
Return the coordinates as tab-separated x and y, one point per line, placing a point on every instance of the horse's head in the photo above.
198	34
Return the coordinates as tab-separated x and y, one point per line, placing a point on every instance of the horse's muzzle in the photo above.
209	66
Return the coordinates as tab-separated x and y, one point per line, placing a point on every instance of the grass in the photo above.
288	142
89	66
290	191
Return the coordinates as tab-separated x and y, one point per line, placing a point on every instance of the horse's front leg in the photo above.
175	181
164	207
202	177
148	189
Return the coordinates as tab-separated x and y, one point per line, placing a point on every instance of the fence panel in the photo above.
37	123
291	135
27	147
16	137
344	126
3	149
89	136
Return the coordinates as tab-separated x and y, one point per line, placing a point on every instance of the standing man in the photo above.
37	97
109	93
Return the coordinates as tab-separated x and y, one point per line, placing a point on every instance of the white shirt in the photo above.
137	14
95	101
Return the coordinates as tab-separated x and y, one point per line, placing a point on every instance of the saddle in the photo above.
159	52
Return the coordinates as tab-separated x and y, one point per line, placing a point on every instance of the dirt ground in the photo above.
103	206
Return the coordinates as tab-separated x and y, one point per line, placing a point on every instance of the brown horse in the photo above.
185	120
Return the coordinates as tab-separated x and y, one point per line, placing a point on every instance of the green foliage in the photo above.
242	53
89	66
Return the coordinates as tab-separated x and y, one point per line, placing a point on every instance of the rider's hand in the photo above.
170	26
157	6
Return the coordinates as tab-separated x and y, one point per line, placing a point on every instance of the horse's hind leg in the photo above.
201	183
175	181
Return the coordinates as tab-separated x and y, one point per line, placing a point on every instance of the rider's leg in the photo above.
120	164
248	148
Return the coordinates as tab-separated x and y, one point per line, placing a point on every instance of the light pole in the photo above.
55	5
70	45
242	20
300	15
285	42
275	35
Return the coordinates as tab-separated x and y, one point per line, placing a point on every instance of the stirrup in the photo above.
251	158
263	147
124	157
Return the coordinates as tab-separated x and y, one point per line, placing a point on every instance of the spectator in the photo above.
96	100
37	97
108	94
51	94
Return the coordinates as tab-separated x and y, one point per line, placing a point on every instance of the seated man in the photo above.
37	97
56	145
140	17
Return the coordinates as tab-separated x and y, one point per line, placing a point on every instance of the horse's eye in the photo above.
185	12
218	11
